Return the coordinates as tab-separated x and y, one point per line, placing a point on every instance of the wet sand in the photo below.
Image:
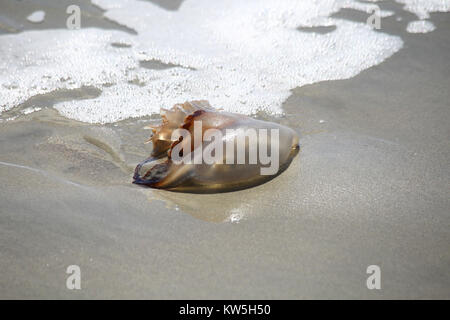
370	186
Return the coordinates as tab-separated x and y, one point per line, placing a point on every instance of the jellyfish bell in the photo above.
200	149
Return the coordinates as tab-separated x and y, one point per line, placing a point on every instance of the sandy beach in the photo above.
370	186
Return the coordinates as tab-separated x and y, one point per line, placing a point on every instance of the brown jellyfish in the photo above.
199	149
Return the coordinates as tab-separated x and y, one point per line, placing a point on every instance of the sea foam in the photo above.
36	16
420	26
423	8
242	56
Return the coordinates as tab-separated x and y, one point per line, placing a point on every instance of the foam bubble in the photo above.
36	16
243	56
420	26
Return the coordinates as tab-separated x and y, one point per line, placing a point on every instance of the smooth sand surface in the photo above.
369	187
